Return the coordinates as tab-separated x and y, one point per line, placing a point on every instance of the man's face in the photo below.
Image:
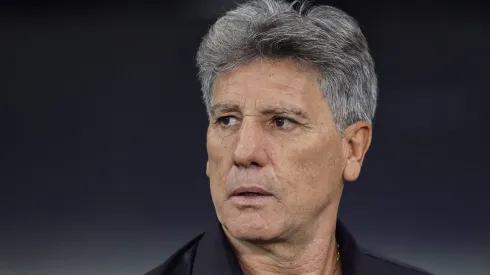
275	159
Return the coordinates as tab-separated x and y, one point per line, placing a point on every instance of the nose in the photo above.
249	150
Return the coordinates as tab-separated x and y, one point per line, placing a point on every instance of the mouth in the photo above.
251	197
250	192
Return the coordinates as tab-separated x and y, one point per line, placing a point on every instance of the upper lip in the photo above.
250	189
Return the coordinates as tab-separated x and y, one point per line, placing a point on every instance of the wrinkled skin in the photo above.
271	127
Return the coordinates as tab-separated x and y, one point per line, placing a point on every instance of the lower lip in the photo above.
251	200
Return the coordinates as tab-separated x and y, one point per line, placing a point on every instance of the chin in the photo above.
251	227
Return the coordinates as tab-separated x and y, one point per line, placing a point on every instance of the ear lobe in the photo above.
352	171
207	168
357	138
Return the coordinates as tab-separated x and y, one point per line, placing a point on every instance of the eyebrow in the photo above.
220	108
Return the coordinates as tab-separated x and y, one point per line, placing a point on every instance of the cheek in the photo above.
217	148
219	163
311	173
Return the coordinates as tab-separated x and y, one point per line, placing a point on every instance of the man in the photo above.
290	93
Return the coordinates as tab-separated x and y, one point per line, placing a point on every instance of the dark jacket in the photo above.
211	254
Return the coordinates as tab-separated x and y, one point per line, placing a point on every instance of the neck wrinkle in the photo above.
315	254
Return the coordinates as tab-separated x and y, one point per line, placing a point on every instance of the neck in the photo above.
312	251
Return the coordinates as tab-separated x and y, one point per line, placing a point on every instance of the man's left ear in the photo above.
356	141
207	168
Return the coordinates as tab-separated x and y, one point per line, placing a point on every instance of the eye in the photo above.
227	121
284	123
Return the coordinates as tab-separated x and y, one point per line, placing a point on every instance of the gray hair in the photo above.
323	38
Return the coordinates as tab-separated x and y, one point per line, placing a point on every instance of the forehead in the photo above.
265	80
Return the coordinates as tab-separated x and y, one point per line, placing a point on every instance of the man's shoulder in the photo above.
382	265
181	262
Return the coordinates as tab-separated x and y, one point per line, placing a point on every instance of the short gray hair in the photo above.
323	38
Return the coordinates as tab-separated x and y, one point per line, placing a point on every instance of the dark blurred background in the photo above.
103	135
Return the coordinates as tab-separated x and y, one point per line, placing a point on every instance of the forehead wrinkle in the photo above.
282	82
296	76
293	79
236	85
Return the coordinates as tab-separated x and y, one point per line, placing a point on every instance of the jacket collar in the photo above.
215	256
